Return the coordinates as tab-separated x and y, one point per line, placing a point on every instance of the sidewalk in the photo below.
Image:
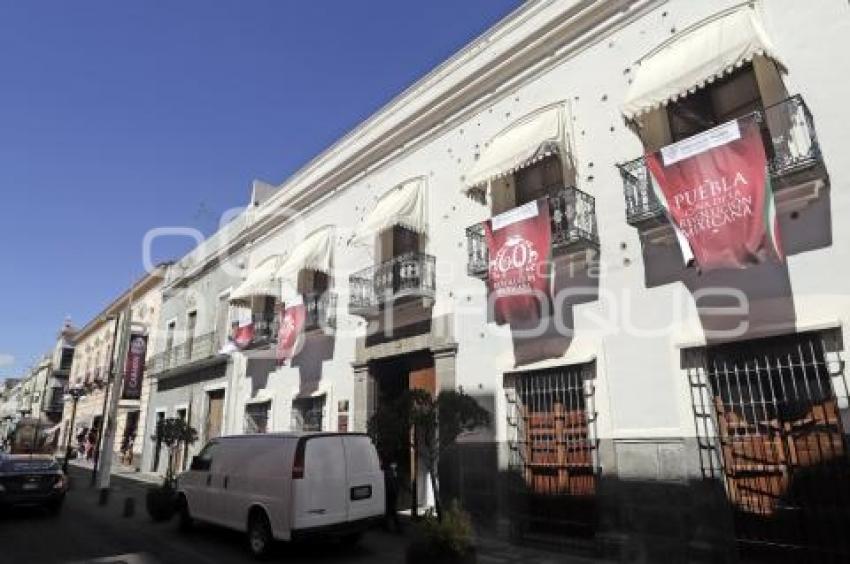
123	471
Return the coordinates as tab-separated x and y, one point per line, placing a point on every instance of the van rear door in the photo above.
365	478
321	493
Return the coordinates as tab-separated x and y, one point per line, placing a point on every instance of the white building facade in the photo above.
657	401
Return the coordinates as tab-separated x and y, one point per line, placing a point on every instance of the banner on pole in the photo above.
292	320
519	243
135	367
715	188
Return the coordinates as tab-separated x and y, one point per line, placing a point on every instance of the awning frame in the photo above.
637	104
250	288
363	235
559	144
287	273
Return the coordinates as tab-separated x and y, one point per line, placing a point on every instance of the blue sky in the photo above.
116	117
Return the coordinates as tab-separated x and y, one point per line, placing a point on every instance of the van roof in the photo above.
290	435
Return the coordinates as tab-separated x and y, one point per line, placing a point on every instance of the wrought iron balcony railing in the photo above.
573	223
791	146
191	350
409	275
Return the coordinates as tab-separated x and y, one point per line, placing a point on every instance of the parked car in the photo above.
32	479
288	486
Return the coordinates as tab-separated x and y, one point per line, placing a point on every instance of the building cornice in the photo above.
524	44
140	288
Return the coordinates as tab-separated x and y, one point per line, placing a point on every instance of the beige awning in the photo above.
521	144
259	283
695	57
404	205
315	252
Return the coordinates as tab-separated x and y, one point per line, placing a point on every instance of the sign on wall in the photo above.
715	188
135	367
519	242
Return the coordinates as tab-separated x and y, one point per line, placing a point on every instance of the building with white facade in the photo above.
661	408
95	358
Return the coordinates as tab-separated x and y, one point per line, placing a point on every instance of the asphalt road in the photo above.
87	532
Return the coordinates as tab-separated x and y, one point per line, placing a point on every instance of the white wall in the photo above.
641	390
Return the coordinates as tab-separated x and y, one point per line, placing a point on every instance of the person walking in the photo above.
391	521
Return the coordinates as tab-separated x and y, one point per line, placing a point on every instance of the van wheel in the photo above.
259	535
185	521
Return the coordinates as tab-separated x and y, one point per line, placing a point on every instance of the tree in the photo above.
437	423
173	432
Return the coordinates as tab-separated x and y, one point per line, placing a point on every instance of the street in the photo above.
85	531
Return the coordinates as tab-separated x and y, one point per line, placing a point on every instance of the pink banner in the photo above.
716	189
243	335
292	320
519	242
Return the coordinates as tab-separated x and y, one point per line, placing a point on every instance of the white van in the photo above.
285	486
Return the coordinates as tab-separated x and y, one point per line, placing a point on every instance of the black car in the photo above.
32	479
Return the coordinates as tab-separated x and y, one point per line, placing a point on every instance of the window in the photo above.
263	316
395	242
726	99
751	88
191	322
527	184
312	282
307	413
203	461
554	451
257	417
169	336
66	359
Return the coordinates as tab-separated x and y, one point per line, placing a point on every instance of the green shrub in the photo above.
449	540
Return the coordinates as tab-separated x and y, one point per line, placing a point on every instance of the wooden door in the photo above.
215	414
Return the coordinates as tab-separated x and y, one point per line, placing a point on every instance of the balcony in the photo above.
321	310
198	348
794	161
56	402
573	223
403	278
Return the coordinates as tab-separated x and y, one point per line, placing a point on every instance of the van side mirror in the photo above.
200	464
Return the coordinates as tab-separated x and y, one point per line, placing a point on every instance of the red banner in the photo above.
243	331
716	189
519	242
243	335
289	334
134	368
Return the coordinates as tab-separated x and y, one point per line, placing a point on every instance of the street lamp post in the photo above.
74	394
106	388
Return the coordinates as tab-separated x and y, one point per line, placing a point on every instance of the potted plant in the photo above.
426	425
173	433
447	540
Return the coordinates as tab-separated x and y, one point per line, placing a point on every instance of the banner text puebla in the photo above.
716	190
135	368
289	334
519	243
